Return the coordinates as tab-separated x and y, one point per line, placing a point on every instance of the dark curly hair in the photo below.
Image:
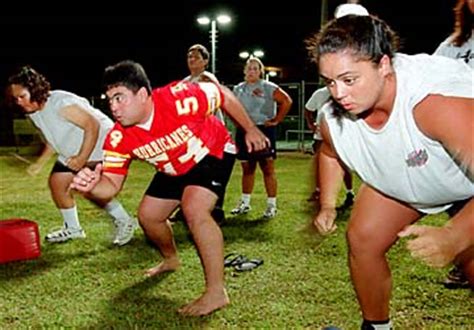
38	86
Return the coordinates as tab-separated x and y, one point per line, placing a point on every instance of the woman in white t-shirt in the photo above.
403	123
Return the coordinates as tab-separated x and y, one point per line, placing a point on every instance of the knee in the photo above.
267	167
356	240
145	219
363	241
248	172
249	167
99	201
195	218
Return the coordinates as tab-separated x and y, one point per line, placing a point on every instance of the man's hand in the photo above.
86	179
436	246
324	220
256	140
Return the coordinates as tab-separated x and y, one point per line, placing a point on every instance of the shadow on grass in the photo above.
138	306
244	228
245	222
51	257
239	227
60	255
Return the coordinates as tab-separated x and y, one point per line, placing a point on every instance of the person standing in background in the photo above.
314	105
198	60
460	44
267	105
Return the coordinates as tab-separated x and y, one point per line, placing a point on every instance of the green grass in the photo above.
304	282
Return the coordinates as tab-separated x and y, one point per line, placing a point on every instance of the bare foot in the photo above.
206	304
167	265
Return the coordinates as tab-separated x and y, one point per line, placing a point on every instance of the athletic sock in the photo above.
246	199
70	217
116	210
272	201
376	325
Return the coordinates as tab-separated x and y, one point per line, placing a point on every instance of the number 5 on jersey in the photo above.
187	106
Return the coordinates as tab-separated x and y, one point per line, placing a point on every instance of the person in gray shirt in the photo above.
267	105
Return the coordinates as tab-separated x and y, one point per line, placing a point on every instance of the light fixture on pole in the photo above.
269	72
221	19
256	53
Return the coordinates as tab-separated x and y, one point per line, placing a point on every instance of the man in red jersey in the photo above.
173	129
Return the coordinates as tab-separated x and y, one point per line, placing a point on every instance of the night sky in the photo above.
73	48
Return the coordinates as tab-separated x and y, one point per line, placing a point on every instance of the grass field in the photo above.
304	282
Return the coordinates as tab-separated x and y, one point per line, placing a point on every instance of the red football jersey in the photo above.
183	131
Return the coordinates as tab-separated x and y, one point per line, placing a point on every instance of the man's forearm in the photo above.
105	188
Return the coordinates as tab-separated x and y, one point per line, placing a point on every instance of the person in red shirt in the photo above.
173	129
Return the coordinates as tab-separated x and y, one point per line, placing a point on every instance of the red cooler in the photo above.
19	240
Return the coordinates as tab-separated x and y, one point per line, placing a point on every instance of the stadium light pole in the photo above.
205	20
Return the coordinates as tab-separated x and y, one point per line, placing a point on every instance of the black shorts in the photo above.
211	173
61	168
456	207
270	133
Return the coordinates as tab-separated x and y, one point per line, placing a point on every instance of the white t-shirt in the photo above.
465	52
315	103
398	159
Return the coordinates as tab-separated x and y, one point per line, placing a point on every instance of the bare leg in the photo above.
197	204
248	176
60	192
153	214
375	222
269	176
